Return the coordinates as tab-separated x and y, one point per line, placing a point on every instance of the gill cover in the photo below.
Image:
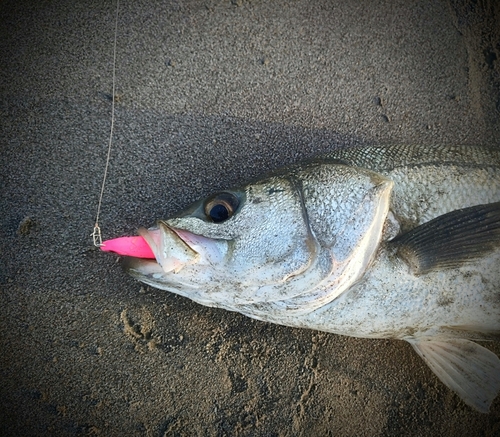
346	209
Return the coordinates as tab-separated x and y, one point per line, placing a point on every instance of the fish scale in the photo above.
429	182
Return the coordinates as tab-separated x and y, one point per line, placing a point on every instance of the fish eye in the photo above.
221	207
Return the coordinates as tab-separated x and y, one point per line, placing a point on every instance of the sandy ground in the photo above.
210	93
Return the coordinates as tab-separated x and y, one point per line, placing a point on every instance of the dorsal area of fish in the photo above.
430	181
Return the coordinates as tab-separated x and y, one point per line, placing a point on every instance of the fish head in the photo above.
255	250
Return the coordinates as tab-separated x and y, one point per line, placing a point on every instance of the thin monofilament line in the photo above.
96	235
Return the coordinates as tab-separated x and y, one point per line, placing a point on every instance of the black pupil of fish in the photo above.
219	213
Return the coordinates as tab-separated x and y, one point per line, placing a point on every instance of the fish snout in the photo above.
171	251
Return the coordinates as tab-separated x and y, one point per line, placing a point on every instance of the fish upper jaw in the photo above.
175	248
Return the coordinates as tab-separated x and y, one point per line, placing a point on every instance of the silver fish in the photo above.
380	242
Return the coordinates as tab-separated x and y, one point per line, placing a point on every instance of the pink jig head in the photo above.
129	246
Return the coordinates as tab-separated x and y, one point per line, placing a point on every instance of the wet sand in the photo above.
210	94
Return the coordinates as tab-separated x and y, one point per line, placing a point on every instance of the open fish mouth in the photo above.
172	248
171	259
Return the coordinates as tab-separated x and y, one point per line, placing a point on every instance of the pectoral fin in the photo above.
470	370
452	239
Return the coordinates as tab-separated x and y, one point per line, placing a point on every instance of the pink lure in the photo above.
129	246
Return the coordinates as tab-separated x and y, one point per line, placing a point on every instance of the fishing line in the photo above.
96	234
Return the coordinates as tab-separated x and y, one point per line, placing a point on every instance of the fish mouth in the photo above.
175	248
158	253
171	247
183	261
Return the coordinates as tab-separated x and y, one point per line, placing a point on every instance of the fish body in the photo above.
379	242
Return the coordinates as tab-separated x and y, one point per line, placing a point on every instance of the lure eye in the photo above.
221	207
